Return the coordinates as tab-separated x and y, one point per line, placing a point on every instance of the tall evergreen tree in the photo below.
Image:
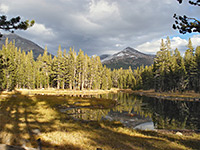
80	69
197	74
190	66
190	46
46	62
161	67
72	69
147	78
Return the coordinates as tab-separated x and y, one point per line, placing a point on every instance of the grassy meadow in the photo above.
25	117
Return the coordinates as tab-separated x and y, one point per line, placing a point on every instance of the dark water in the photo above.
144	113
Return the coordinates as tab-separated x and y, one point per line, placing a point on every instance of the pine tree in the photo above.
109	80
19	71
65	68
191	48
80	69
30	70
58	70
92	73
104	84
114	78
38	73
138	77
46	68
179	72
197	74
87	73
147	78
72	69
161	67
9	70
97	72
2	65
120	79
190	68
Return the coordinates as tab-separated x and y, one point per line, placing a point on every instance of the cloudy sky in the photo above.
102	26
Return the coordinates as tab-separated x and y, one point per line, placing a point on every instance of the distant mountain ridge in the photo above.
23	43
104	56
128	57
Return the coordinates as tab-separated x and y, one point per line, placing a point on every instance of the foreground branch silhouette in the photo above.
187	24
14	24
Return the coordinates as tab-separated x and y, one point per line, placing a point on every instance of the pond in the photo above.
144	112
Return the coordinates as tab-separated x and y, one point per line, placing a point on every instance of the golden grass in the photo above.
22	115
61	92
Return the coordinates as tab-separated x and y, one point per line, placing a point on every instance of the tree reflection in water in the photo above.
135	110
170	114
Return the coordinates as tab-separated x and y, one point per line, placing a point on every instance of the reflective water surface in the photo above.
144	113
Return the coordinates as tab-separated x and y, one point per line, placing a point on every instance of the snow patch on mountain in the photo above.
129	57
124	54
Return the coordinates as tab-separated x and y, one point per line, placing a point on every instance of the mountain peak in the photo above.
132	50
128	57
23	43
129	48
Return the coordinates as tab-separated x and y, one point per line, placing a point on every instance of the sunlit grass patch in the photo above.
26	118
63	92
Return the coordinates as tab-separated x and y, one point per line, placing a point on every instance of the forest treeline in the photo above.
78	71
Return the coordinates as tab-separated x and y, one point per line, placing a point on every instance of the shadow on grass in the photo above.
20	122
24	119
188	142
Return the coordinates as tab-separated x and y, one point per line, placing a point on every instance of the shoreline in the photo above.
185	96
60	92
31	117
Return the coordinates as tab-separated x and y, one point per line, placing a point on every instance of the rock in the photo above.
179	133
36	131
107	118
63	110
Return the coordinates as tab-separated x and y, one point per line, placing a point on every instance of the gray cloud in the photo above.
97	26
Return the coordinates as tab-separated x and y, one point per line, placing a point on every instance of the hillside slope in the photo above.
23	43
128	57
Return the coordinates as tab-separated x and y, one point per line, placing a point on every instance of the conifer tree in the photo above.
120	79
86	71
190	66
72	69
38	73
131	82
2	65
30	67
9	70
190	47
65	68
197	74
97	70
46	68
179	72
161	67
80	69
19	71
147	78
108	73
92	73
104	84
58	69
114	78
